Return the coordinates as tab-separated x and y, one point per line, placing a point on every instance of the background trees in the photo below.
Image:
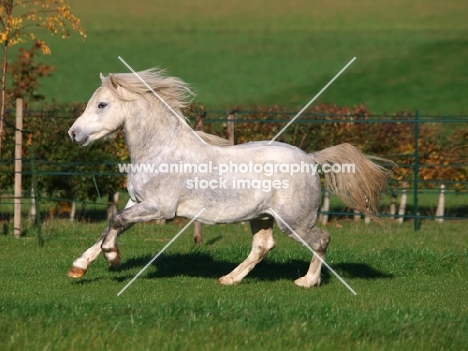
19	21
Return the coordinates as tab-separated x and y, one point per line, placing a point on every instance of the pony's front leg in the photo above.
121	221
81	264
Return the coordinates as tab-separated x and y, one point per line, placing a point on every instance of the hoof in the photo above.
114	266
197	239
303	282
113	257
226	280
76	272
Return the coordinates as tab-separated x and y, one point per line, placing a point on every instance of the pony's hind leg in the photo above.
262	243
318	240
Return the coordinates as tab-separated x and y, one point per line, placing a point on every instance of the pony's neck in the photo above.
152	130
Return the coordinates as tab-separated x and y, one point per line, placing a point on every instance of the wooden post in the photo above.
402	208
197	226
112	202
440	206
199	122
230	126
367	219
32	208
18	167
325	207
40	239
393	206
357	215
73	211
416	223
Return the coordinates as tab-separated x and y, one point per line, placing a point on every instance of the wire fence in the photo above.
423	178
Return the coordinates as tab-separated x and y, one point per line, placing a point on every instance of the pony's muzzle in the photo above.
72	134
78	136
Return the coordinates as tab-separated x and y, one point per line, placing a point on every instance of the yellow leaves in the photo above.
16	39
53	15
3	37
44	47
15	22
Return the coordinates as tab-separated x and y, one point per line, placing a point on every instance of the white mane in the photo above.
173	90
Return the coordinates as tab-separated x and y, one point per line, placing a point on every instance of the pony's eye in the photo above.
102	105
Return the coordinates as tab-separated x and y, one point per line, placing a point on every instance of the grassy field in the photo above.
412	287
410	55
411	292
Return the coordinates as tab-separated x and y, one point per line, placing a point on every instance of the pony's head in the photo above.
114	101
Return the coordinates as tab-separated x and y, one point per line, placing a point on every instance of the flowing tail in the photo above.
360	189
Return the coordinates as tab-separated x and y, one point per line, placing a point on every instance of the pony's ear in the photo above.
102	77
113	80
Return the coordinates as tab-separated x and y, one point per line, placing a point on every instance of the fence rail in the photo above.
228	125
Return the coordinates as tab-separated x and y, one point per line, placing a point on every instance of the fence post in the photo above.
440	206
32	206
367	219
402	207
393	206
37	195
73	210
18	167
230	126
112	202
325	207
197	226
357	215
416	170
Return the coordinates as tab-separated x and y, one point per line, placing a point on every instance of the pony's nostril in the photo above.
73	134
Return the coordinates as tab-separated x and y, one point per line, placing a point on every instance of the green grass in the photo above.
409	55
411	287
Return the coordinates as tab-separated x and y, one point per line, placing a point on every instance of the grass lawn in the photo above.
412	287
411	291
409	55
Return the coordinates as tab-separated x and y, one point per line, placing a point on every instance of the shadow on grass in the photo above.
203	265
85	280
359	270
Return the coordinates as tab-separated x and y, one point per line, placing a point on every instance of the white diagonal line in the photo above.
161	99
311	101
315	254
162	250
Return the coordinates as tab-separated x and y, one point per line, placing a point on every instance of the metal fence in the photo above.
414	184
225	124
